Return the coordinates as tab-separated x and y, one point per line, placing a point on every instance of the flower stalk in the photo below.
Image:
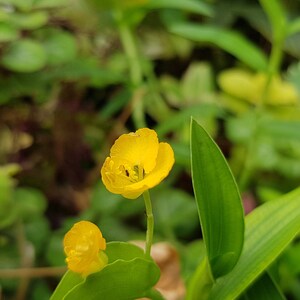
150	223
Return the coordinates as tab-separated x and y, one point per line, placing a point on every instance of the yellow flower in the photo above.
83	244
137	163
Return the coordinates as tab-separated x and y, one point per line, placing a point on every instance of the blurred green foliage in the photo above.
76	74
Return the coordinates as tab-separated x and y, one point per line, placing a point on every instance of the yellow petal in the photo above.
111	178
139	148
164	164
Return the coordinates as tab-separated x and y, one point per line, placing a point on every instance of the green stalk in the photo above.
279	27
135	69
150	223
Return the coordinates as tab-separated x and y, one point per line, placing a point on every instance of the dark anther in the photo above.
127	173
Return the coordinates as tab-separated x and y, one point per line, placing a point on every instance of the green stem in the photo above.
274	66
135	68
150	223
273	69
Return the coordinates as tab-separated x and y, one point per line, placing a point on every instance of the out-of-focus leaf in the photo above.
182	153
280	129
30	202
54	251
29	21
8	32
291	258
230	41
240	130
188	5
219	203
191	257
25	55
264	288
294	26
38	232
40	290
8	211
9	259
173	208
23	5
178	119
87	69
269	229
196	82
59	45
293	75
266	193
172	90
48	3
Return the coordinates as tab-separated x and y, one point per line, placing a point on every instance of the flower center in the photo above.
135	174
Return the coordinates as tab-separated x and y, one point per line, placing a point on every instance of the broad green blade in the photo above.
264	288
230	41
120	280
218	201
269	229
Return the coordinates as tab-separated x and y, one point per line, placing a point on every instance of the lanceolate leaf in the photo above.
230	41
218	200
269	229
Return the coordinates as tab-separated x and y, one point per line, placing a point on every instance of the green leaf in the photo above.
177	120
30	202
230	41
280	129
188	5
48	3
23	5
175	211
294	26
29	21
269	229
8	213
59	45
24	56
120	280
122	250
8	32
197	82
263	289
69	281
218	200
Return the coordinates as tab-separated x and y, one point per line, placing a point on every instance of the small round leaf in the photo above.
60	46
24	56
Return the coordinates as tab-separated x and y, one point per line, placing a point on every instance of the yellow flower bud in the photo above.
83	245
137	163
